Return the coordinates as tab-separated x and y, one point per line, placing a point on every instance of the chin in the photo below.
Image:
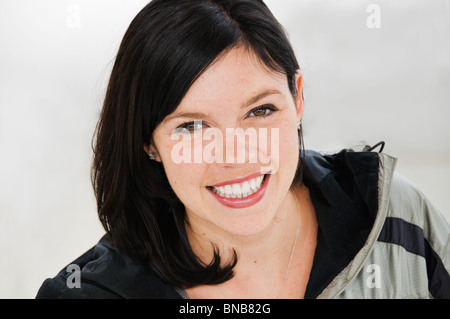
248	223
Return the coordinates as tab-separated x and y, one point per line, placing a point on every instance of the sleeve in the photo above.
419	210
437	251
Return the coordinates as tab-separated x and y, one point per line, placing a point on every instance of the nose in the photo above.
240	146
236	147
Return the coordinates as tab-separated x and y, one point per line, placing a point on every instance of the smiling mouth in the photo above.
239	190
241	193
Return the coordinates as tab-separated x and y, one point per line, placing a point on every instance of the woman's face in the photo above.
232	184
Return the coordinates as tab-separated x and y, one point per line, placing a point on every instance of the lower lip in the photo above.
243	202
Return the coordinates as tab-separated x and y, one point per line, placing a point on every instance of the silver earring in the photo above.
152	156
299	124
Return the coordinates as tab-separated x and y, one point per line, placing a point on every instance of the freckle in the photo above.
255	261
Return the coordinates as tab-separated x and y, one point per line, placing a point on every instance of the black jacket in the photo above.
344	188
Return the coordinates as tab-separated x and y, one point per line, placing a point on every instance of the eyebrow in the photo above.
259	96
246	104
189	115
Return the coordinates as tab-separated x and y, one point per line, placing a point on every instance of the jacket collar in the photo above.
345	189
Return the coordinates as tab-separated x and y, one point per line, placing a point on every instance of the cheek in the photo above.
285	150
183	177
186	181
289	145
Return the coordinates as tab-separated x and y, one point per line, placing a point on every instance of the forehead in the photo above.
232	79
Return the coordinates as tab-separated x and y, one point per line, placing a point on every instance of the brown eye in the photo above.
260	112
263	111
189	127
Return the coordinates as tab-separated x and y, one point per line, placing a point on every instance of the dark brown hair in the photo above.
166	47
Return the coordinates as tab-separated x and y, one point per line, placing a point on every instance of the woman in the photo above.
196	204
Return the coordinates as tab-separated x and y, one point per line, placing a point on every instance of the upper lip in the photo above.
239	180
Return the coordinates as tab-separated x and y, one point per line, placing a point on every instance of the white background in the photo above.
362	85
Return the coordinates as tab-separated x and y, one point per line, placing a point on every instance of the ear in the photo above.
299	102
150	149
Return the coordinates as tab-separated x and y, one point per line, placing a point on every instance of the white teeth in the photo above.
236	189
228	190
245	187
240	190
253	184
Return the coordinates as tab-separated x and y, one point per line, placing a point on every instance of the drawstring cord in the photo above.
370	149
